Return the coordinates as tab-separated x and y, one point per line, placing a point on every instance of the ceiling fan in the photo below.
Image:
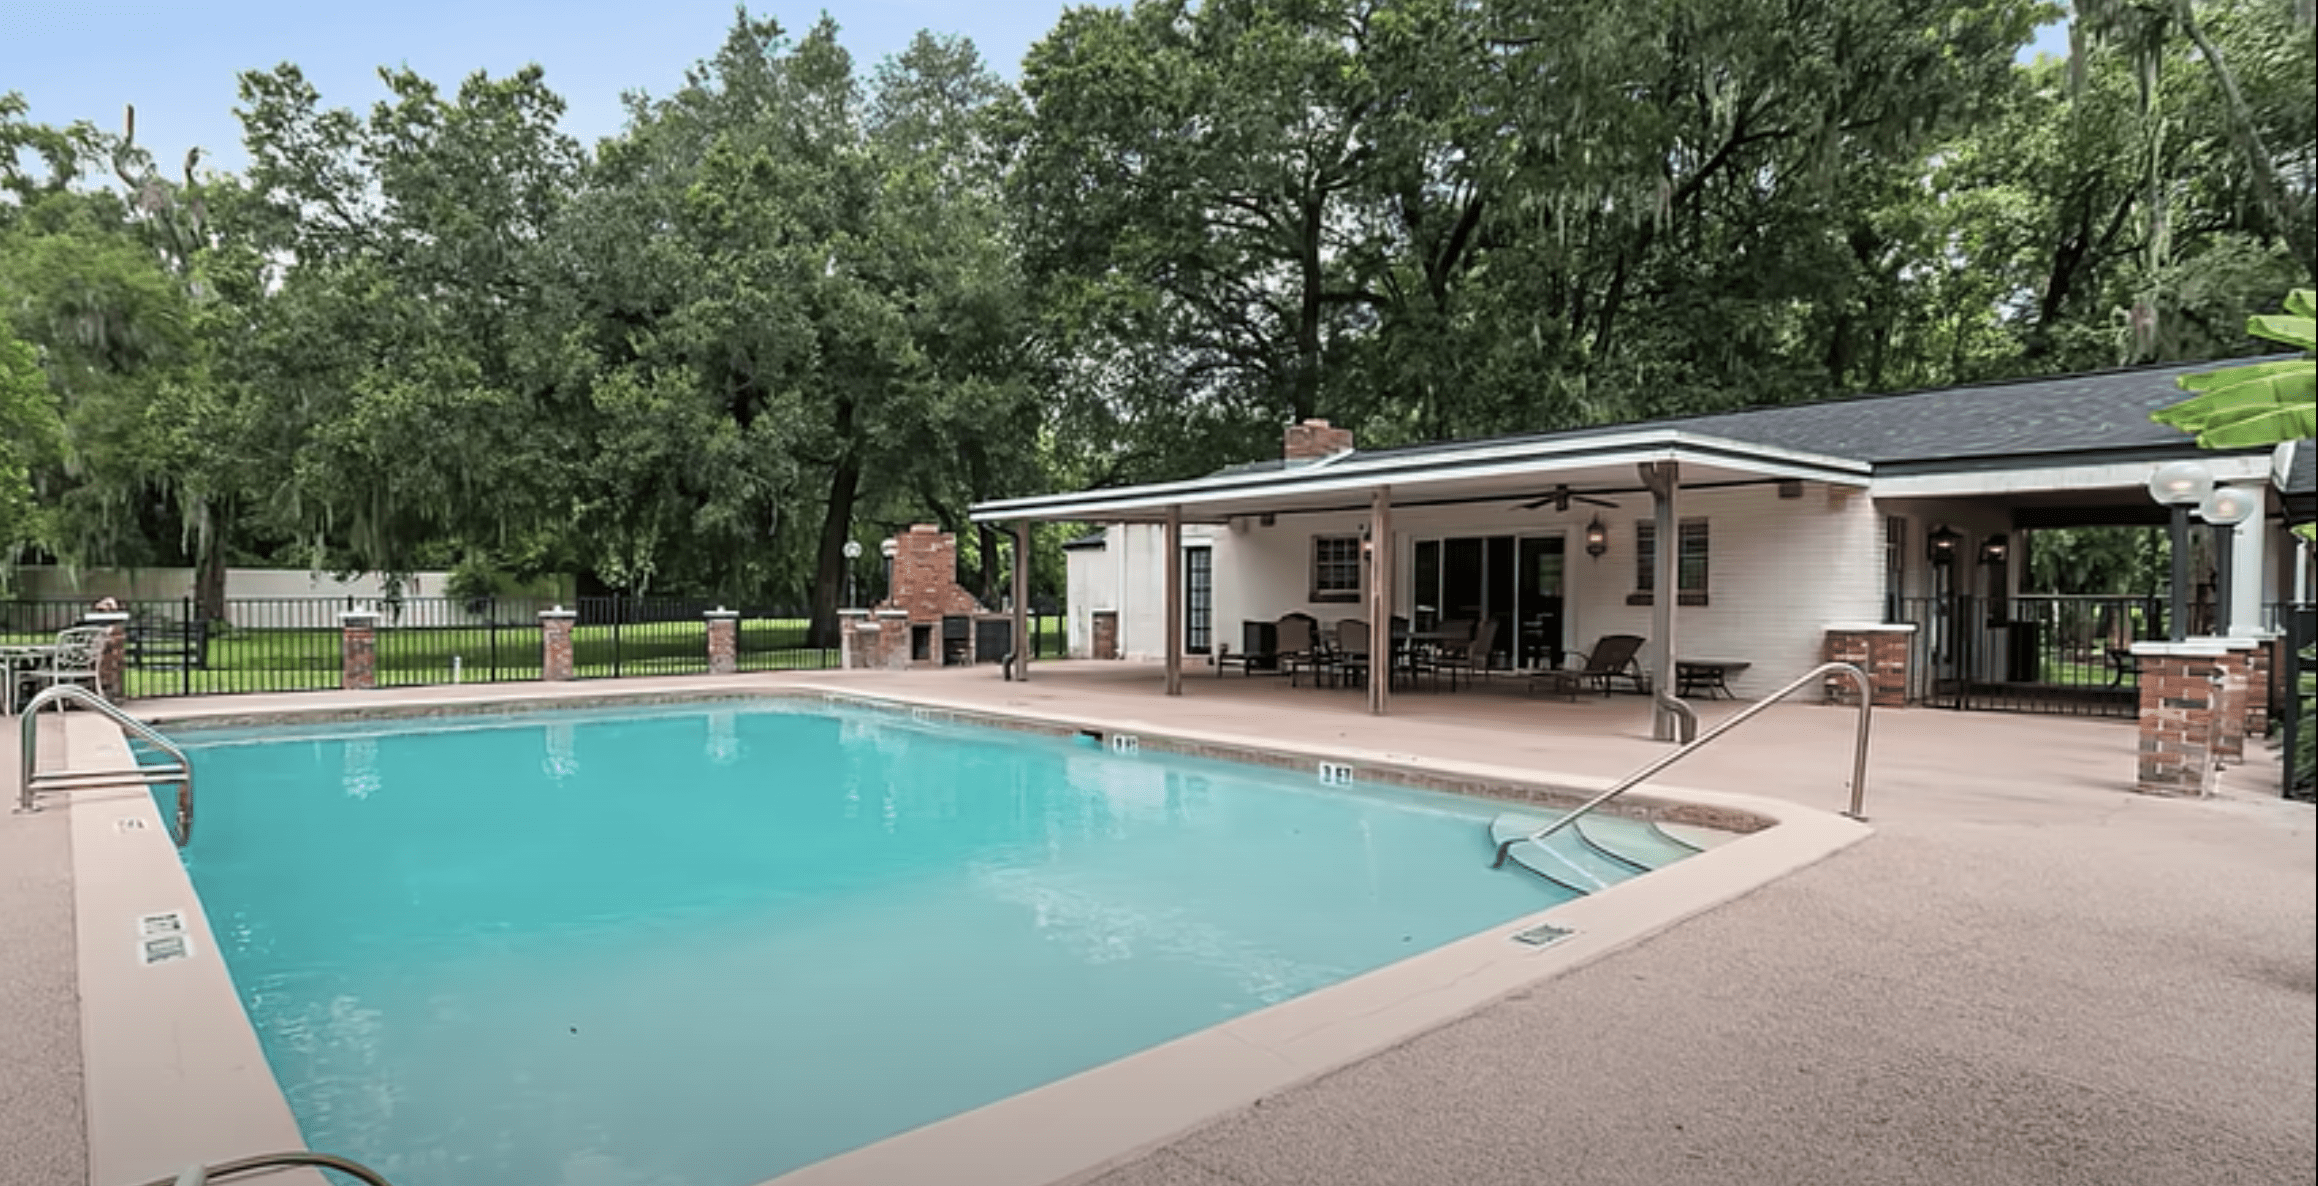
1562	496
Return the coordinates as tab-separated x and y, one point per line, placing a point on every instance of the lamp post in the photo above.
2180	486
1940	548
2224	508
887	549
852	553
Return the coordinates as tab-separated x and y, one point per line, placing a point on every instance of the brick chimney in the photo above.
1313	440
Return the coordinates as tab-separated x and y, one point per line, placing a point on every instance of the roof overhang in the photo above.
1485	472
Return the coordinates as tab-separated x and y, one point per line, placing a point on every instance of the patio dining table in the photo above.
15	658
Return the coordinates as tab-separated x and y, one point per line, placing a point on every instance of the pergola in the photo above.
1660	461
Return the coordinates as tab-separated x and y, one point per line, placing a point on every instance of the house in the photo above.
1775	529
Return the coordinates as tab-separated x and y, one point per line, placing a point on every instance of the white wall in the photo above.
171	585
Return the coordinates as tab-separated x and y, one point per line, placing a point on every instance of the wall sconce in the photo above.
1597	538
1994	549
1940	547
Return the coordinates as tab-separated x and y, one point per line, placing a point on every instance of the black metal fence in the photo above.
2043	653
2294	684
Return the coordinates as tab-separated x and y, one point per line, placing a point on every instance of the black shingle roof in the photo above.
2095	412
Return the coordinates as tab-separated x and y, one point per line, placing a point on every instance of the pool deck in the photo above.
2026	974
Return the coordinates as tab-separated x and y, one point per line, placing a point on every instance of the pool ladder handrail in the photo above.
35	781
1858	754
201	1175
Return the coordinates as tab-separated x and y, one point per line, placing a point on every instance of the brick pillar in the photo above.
113	660
1878	648
1105	644
723	641
894	644
358	649
850	629
555	643
2261	663
2181	686
2229	718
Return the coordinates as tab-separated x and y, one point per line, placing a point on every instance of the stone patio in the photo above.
2028	974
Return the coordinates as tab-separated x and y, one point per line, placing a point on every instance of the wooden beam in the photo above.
1663	479
1379	570
1174	600
1022	640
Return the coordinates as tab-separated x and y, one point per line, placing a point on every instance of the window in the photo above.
1336	568
1198	600
1690	562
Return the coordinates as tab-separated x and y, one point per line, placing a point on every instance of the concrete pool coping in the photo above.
154	1043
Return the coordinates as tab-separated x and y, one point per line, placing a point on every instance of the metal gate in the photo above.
2063	654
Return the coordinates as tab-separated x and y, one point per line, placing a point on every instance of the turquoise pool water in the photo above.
703	947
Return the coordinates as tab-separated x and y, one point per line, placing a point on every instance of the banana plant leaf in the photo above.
2261	403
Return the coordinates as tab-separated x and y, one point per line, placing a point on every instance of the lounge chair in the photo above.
1613	658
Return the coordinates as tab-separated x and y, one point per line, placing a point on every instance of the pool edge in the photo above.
1076	1128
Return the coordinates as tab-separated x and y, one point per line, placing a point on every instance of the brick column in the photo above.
358	649
893	635
1878	648
2261	663
2229	719
723	641
2181	687
1105	628
850	623
555	643
113	660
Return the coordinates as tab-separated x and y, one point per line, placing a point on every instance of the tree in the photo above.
29	436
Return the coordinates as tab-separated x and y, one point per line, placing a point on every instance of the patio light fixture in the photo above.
2179	487
1940	547
2225	507
1597	538
1994	549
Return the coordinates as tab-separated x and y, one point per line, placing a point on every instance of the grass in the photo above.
297	660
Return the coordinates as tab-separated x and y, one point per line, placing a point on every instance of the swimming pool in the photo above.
709	945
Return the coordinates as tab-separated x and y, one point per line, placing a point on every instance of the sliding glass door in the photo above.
1515	581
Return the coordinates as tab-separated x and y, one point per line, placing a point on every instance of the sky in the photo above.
85	59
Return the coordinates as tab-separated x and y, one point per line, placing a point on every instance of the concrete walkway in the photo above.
2028	975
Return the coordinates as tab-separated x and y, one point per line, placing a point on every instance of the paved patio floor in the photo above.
2028	975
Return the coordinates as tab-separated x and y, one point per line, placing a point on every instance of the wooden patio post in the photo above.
1173	578
1380	560
1022	640
1663	478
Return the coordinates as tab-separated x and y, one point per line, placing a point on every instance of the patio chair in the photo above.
1348	661
79	653
1299	646
1613	658
1470	657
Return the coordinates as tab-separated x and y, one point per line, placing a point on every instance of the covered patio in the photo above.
1384	531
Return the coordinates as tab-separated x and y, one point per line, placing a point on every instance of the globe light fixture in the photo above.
2180	486
2224	508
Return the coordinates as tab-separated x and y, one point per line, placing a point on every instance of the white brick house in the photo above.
1788	521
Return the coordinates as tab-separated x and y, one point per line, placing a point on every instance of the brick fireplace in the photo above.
927	619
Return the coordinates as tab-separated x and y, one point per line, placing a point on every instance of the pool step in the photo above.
1595	853
1634	840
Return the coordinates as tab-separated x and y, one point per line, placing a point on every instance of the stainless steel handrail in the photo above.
28	735
198	1175
1858	754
